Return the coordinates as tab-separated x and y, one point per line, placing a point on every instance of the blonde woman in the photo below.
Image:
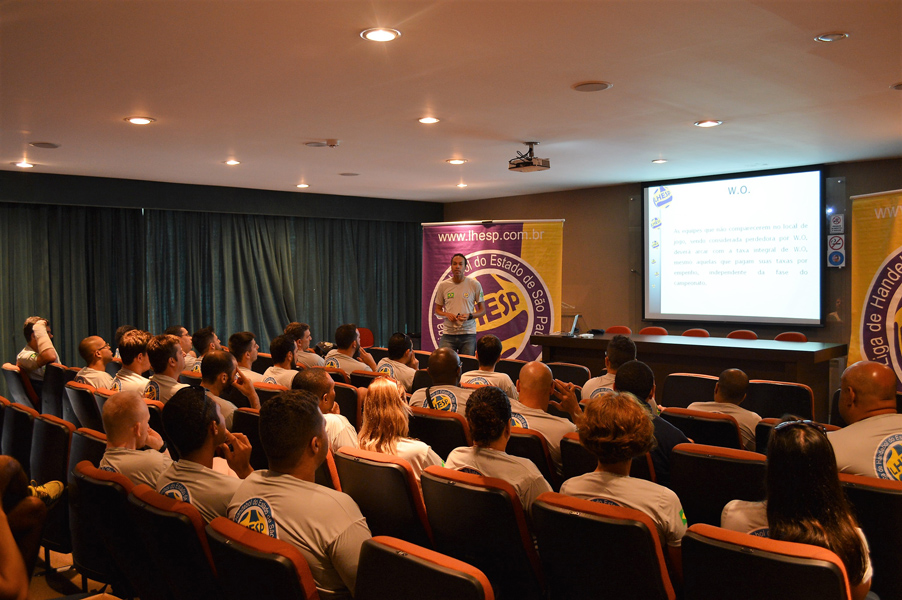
384	429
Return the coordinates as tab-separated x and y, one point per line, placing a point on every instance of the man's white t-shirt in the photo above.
279	376
95	378
139	466
520	472
345	362
871	447
397	371
459	298
493	378
209	491
443	397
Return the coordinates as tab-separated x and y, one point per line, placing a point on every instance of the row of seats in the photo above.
738	334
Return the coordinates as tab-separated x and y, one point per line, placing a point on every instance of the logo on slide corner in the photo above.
662	197
655	223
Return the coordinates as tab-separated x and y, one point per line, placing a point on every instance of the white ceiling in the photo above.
255	80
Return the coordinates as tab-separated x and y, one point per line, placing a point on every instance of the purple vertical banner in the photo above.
518	302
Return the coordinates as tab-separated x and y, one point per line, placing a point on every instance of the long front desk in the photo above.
800	362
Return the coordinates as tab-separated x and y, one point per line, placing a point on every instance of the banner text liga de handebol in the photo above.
518	264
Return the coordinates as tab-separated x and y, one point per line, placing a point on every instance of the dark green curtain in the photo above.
90	270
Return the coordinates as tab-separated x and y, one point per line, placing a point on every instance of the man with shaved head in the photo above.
729	392
871	443
535	387
445	392
127	424
97	355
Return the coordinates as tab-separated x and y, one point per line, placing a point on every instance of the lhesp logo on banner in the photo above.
881	322
517	302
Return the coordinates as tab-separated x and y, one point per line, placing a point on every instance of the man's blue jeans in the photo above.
462	344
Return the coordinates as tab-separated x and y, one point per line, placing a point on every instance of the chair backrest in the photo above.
86	444
367	340
49	462
713	557
776	398
653	331
56	376
327	474
468	363
113	366
510	367
101	395
263	362
247	421
479	520
569	372
707	477
441	429
531	444
791	336
704	427
81	399
348	400
16	383
174	533
18	425
363	379
377	353
397	569
423	358
421	379
590	546
155	408
253	565
190	377
621	329
766	426
577	460
682	389
878	505
337	375
3	404
696	332
742	334
268	391
386	490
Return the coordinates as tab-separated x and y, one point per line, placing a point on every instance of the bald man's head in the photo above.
534	385
868	389
731	386
444	366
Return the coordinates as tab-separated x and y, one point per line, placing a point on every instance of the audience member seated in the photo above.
805	502
196	428
302	336
244	347
617	428
181	332
38	350
536	386
21	523
282	349
488	353
121	331
621	349
317	381
284	502
869	444
445	392
97	355
401	363
219	371
638	379
205	341
489	416
384	428
729	392
127	424
167	359
133	351
348	355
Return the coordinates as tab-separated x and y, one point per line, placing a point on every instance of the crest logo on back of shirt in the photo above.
607	501
117	385
272	380
443	399
518	420
176	490
332	362
599	391
152	391
888	458
256	514
470	470
388	369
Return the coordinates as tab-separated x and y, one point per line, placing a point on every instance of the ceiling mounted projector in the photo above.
526	163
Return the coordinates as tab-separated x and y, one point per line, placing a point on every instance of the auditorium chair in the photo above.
327	474
247	421
190	377
268	391
707	477
19	385
50	441
570	373
577	460
155	409
718	563
443	430
480	521
386	490
791	336
777	398
468	363
86	444
682	389
101	395
696	332
3	404
253	565
742	334
531	444
363	379
337	375
263	362
350	402
510	367
653	331
877	503
56	376
619	329
112	367
396	569
423	358
81	400
703	427
421	379
377	353
367	340
174	533
587	547
18	426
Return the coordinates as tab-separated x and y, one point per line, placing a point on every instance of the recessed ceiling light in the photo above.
456	161
380	34
461	185
659	161
708	123
140	120
428	120
232	162
316	144
48	145
833	36
303	185
23	164
897	86
592	86
349	174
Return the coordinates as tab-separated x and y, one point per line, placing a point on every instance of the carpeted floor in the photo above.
62	580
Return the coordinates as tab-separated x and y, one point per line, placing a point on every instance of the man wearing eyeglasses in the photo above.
97	355
871	443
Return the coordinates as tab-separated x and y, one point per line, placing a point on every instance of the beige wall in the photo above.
603	242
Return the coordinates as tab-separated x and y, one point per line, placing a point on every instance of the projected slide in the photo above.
744	249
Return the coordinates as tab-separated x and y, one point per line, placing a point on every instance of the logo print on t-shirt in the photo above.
470	470
607	501
888	458
332	362
176	490
443	399
765	532
117	385
599	391
256	514
518	420
387	368
270	380
152	391
479	381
